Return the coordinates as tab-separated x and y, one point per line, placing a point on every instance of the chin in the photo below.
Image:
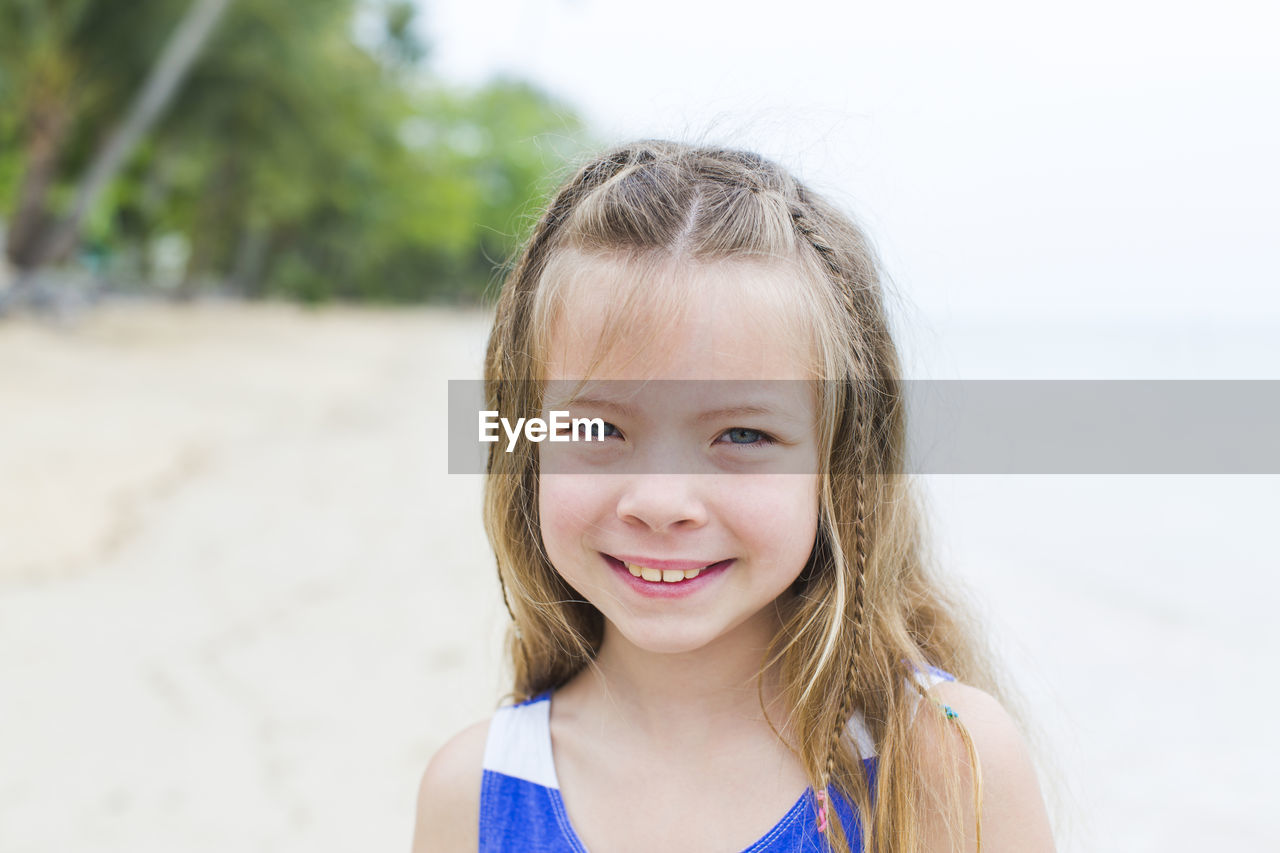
666	640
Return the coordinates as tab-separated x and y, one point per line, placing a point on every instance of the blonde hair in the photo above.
868	615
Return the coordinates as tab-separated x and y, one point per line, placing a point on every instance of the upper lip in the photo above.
655	563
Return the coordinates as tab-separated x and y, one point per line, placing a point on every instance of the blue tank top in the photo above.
521	810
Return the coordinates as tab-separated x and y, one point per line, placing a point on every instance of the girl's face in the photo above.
699	507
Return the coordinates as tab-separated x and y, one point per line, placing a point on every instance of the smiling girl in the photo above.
725	634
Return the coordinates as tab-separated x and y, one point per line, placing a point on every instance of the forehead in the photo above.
616	318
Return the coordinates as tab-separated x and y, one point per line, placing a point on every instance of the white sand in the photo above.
241	602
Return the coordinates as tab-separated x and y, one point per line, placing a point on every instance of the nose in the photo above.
662	502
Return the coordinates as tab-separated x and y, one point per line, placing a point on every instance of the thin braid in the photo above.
811	234
858	617
830	260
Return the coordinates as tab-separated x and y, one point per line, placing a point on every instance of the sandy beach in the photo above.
242	601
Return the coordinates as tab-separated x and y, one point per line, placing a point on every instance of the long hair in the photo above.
867	614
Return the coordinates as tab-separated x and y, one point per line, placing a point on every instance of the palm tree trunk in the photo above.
188	39
49	122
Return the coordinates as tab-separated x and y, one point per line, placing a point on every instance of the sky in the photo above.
1098	160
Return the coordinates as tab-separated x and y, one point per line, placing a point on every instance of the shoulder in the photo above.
1013	811
449	795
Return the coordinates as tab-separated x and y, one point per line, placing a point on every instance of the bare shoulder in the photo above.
449	795
1014	817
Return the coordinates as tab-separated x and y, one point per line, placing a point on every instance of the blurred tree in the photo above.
55	84
307	156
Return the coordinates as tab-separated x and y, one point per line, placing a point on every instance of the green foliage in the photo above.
297	161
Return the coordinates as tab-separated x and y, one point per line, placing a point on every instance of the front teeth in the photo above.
661	575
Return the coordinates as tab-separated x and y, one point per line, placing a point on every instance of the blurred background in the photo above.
247	242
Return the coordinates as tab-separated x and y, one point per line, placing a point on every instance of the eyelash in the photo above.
763	441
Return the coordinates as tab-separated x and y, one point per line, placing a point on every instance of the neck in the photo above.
688	696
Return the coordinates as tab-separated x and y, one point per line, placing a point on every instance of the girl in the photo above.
725	635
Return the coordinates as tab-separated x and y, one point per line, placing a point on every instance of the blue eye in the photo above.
744	436
589	432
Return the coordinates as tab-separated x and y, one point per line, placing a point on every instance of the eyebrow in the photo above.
599	403
745	410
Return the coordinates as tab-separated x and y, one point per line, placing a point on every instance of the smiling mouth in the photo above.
664	574
661	575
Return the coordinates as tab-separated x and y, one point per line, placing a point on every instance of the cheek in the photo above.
780	511
567	507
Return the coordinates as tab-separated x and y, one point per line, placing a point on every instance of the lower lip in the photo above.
662	589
